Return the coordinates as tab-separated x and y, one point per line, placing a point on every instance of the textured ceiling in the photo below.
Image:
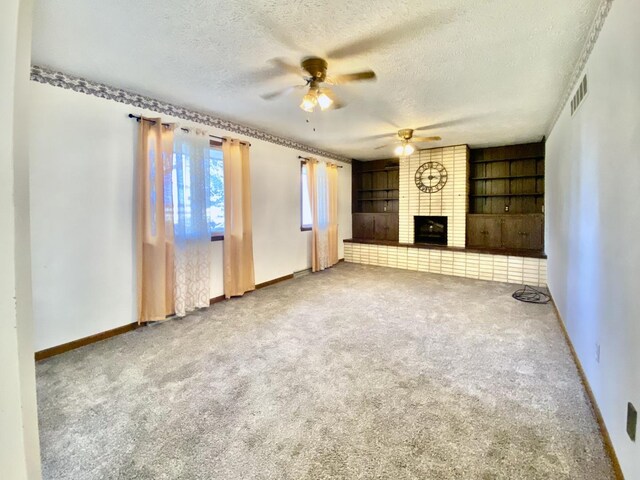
482	72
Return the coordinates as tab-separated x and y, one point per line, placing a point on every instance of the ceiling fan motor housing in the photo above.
317	68
405	133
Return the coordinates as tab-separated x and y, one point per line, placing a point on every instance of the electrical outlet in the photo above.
632	421
598	352
506	208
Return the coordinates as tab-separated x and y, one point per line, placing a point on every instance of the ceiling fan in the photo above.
314	72
407	140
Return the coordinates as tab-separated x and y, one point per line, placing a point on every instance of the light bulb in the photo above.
309	101
399	151
408	149
324	101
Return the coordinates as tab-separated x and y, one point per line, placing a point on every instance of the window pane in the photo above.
307	221
215	210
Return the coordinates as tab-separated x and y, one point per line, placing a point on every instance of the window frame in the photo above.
303	227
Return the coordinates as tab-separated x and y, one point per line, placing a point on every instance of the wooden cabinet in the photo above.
483	231
375	226
513	232
522	232
385	226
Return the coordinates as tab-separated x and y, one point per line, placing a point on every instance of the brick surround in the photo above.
451	201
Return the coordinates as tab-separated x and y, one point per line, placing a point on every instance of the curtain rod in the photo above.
222	139
308	159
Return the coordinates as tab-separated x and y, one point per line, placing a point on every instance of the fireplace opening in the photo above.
431	230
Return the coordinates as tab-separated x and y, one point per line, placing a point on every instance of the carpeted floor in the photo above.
358	372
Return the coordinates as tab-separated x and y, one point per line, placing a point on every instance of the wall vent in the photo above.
581	92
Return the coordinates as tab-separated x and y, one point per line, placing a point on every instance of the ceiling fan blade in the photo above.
351	77
280	34
407	31
279	93
382	146
426	139
377	137
285	66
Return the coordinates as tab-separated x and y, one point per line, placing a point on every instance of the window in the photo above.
306	221
215	208
181	184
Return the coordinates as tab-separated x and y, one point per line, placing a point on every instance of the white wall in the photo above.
19	448
82	153
593	224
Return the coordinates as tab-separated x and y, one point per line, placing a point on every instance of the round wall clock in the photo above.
431	177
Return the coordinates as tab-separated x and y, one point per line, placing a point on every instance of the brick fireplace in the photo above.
451	202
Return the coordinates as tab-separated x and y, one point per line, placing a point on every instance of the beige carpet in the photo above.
358	372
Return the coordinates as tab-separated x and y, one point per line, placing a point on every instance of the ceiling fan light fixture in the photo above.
404	150
324	101
309	102
409	149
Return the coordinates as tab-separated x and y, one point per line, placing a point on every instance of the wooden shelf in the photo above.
508	195
508	177
474	162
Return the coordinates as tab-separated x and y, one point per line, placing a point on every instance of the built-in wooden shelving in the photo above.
506	197
375	191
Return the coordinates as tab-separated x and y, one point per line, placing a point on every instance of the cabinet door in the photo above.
475	229
381	227
393	230
513	234
533	229
524	232
484	232
493	232
363	225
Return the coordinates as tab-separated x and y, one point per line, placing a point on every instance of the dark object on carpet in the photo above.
531	295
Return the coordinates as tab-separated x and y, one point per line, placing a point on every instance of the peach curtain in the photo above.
239	276
322	182
155	241
332	191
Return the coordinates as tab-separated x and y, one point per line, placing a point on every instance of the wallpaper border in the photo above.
594	33
81	85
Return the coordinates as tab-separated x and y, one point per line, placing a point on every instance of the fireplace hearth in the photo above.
431	230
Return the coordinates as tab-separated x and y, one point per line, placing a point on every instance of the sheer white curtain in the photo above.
191	190
322	181
322	212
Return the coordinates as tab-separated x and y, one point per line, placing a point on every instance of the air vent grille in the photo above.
579	95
